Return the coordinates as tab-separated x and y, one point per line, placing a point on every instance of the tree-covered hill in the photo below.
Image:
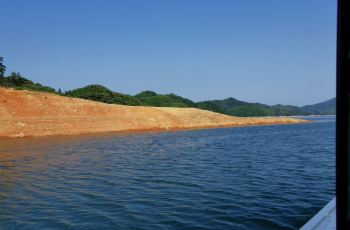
229	106
234	107
102	94
222	106
15	80
287	110
250	110
151	98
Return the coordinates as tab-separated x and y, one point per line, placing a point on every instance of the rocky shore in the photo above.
26	113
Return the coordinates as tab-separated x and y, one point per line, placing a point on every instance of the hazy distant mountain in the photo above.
234	107
323	108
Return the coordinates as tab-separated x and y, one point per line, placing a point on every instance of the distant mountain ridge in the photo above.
234	107
228	106
323	108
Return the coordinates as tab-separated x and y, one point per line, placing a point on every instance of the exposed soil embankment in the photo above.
25	113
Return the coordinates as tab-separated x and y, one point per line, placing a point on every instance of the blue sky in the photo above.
268	51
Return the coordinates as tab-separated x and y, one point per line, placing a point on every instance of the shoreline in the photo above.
36	114
142	131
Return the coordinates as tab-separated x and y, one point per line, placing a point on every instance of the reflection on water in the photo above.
267	177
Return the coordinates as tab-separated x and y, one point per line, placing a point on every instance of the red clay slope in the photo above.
25	113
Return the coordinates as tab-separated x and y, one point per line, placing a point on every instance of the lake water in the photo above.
262	177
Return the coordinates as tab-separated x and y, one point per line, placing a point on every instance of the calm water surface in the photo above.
263	177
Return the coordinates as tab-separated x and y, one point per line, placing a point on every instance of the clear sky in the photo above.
268	51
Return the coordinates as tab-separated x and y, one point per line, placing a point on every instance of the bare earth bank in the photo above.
25	113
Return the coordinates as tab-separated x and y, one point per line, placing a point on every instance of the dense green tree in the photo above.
151	98
15	80
250	110
2	68
287	110
102	94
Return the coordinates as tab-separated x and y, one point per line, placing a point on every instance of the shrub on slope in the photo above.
102	94
15	80
163	100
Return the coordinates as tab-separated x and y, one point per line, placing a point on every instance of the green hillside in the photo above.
288	110
234	107
249	111
229	106
221	106
15	80
151	98
102	94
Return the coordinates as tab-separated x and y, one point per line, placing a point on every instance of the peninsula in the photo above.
27	113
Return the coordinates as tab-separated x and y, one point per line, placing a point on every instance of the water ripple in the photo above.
268	177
